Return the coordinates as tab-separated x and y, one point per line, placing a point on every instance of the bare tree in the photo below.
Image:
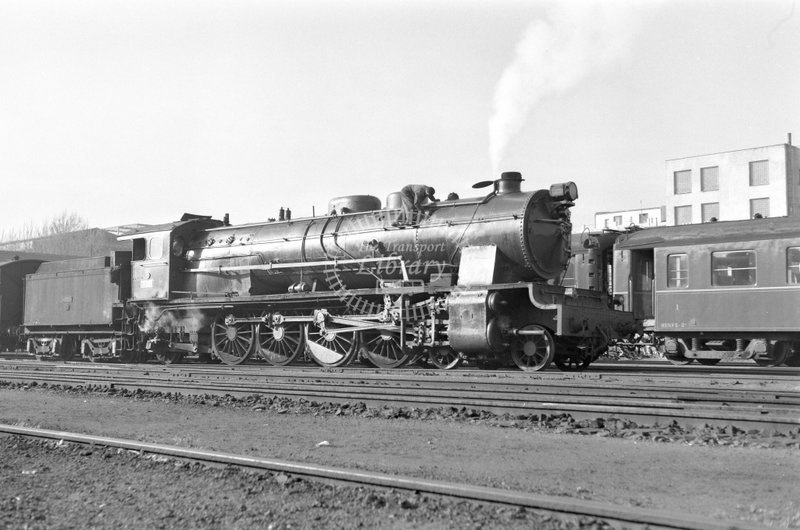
65	222
30	237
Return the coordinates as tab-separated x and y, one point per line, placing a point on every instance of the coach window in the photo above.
677	270
793	265
733	268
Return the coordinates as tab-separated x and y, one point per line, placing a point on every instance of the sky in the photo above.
138	111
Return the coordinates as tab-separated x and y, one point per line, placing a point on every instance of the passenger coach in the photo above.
716	291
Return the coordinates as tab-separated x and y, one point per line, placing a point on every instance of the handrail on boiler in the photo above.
301	265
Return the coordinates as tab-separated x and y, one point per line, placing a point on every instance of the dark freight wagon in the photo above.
12	292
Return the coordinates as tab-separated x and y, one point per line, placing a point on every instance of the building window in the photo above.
644	218
759	173
736	267
683	215
759	208
605	223
618	220
677	270
709	211
683	181
793	265
709	178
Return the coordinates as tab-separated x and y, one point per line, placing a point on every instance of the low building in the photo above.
622	219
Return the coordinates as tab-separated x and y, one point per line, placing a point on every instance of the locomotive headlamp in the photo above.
565	191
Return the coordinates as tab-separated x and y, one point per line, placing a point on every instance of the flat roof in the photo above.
732	151
631	210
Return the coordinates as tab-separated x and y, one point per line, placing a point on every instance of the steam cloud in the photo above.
576	39
156	319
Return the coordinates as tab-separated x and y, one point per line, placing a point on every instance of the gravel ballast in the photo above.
724	473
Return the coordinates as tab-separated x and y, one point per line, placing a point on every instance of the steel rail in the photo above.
513	388
529	382
599	370
571	506
591	395
525	404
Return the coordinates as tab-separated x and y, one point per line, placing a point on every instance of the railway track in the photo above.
580	395
620	515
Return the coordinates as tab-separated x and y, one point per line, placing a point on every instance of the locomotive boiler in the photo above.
529	230
472	278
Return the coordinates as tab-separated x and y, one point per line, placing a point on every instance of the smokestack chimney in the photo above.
281	214
288	214
790	139
226	220
510	182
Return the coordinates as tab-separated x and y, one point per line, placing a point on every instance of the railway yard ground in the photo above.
747	476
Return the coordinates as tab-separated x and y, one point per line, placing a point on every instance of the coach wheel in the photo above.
534	351
445	358
780	353
384	349
678	360
281	344
708	362
793	358
328	348
232	341
64	347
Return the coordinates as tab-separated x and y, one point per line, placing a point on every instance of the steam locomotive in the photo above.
463	279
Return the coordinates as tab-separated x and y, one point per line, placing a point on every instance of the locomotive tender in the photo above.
472	278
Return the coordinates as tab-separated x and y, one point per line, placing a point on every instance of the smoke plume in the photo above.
554	54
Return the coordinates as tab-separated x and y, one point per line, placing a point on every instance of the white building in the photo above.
619	220
734	185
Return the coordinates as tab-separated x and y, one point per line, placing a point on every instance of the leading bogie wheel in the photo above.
533	352
232	340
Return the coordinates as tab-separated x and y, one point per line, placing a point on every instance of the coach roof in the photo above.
717	232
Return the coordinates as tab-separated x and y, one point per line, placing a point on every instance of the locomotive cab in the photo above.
158	257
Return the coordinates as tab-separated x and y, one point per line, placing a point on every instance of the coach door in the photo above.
641	283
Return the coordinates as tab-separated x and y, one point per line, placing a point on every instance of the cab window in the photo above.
155	247
736	267
677	270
